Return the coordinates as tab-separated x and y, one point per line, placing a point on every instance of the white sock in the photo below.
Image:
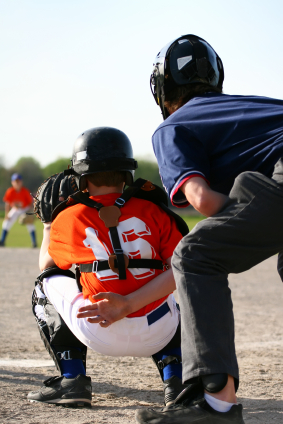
218	405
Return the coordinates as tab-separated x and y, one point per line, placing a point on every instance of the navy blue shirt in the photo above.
217	136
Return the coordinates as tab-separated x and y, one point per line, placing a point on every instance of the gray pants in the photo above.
248	230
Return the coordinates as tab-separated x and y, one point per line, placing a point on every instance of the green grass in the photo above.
19	237
192	220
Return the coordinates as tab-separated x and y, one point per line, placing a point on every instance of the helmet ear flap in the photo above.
129	178
82	183
221	72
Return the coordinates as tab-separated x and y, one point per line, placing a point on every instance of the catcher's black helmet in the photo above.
103	149
187	60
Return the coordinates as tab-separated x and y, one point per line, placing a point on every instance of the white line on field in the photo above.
25	363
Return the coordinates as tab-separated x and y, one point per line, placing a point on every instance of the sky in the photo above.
70	65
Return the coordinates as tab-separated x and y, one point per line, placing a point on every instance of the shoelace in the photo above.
50	380
184	404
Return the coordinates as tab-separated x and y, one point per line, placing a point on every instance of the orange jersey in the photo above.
20	198
79	236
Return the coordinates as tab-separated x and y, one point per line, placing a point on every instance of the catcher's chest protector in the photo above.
118	261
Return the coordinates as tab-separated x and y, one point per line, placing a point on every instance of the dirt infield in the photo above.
121	385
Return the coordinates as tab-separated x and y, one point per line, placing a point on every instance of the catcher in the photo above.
121	242
17	202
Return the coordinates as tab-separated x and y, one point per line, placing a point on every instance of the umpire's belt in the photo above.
97	266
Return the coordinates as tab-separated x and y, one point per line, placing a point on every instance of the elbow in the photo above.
45	262
204	206
42	266
202	198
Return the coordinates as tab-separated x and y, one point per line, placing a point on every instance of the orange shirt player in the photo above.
17	201
145	236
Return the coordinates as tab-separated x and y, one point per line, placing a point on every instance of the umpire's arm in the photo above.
198	193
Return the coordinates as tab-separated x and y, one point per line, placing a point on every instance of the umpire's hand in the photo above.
109	307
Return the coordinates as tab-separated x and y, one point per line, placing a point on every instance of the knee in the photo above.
197	255
248	184
5	224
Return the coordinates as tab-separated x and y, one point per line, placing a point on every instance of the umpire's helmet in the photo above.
103	149
187	60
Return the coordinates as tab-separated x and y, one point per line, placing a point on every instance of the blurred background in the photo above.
67	66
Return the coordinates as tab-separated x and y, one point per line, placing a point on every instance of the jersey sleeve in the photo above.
7	196
180	156
169	235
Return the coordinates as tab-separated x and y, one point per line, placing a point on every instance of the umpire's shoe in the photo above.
190	407
64	391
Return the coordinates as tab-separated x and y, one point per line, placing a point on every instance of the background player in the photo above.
87	233
17	201
218	153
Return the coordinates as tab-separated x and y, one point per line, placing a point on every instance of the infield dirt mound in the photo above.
121	385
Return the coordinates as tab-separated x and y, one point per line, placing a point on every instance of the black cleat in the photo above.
64	391
190	407
172	388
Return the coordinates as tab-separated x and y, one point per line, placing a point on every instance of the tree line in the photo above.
34	174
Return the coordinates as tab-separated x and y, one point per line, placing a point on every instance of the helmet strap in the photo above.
164	111
82	183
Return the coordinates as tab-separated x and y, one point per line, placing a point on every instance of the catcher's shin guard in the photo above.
172	386
53	270
175	342
55	334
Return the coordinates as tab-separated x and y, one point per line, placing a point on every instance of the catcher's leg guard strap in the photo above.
162	363
169	360
174	343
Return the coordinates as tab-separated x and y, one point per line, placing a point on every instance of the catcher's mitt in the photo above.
26	218
48	193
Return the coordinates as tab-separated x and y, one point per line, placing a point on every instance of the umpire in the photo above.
221	154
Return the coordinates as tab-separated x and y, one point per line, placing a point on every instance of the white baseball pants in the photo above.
142	336
13	215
